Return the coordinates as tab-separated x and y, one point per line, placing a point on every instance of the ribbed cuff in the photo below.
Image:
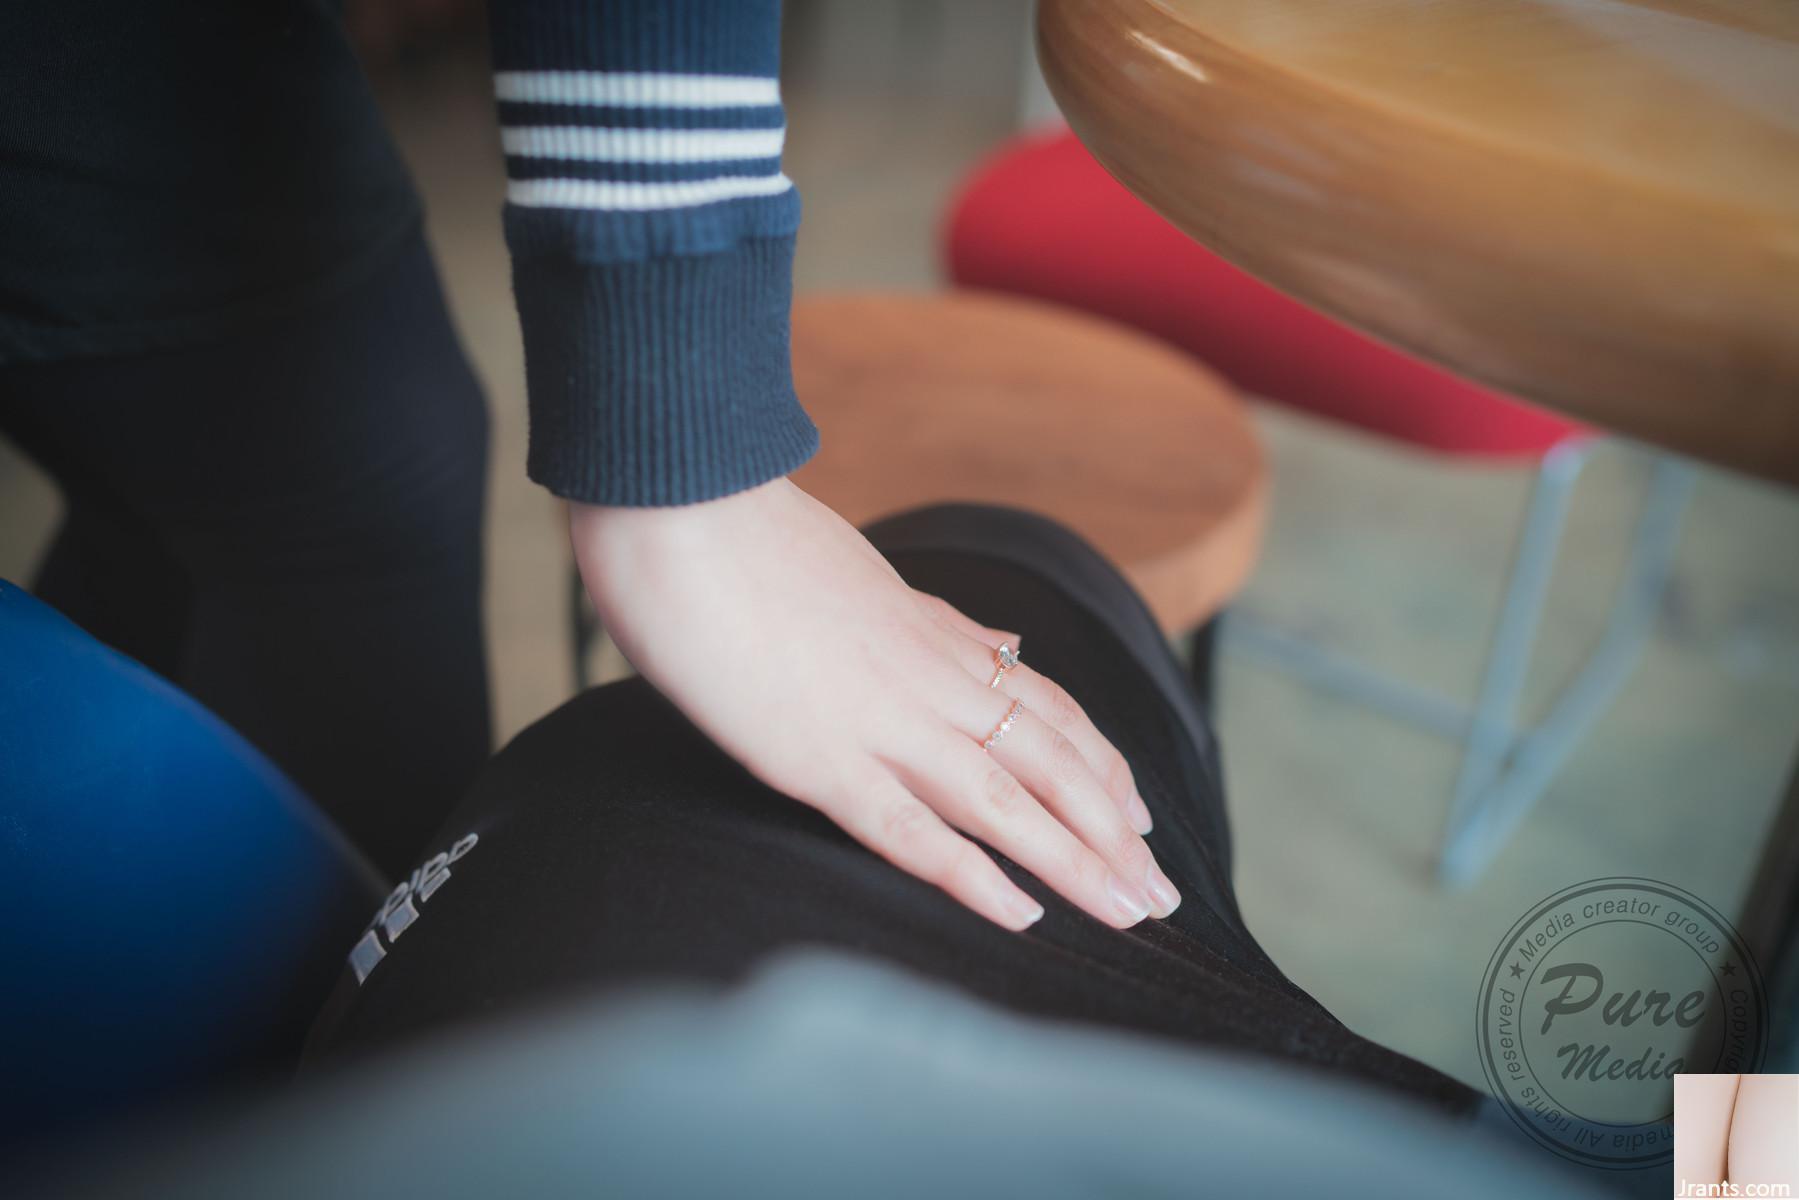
664	381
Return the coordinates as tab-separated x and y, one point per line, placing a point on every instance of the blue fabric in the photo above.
690	37
526	112
662	382
175	909
656	336
176	171
730	38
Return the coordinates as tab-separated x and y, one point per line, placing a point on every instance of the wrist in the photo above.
623	543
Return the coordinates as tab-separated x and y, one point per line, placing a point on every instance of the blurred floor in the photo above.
1399	560
1378	552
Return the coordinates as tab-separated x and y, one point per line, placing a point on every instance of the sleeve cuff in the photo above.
661	381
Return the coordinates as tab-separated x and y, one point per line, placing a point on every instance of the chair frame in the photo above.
1506	767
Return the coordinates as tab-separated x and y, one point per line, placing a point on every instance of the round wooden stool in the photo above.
967	396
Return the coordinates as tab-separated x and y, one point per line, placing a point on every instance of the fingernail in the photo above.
1138	811
1024	911
1162	892
1131	903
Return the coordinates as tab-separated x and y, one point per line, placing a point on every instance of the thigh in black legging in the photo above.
610	844
287	524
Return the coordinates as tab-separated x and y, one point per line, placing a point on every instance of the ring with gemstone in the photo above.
1005	726
1004	659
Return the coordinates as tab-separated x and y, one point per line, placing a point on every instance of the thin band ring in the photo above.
1005	726
1004	659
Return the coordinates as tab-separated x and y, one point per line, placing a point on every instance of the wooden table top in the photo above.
1589	203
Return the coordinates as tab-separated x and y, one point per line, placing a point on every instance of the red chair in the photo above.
1043	219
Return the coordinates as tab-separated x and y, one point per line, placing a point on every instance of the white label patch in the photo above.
401	910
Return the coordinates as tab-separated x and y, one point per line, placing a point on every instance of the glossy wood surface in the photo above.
964	396
1589	203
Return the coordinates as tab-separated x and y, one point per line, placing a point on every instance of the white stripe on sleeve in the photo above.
631	89
621	195
588	144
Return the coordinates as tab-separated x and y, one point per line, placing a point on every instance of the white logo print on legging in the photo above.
401	909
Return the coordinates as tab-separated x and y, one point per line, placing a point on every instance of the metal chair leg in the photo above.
1493	723
1505	771
1330	671
1488	822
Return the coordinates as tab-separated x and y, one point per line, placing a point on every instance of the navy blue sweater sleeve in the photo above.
652	237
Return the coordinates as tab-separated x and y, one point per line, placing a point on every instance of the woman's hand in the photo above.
785	636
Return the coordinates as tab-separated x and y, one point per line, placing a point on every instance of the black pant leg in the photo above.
313	487
611	844
107	568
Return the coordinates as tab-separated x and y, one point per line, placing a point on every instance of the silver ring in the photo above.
1004	726
1004	659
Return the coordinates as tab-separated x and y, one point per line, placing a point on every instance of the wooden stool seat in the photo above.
966	396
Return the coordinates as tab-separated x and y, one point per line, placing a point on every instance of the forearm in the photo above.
652	237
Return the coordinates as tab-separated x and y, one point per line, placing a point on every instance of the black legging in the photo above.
287	524
613	844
